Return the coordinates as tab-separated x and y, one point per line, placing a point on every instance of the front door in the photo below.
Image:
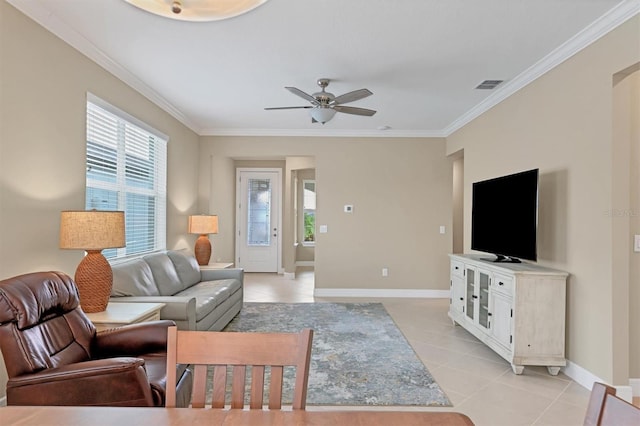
258	219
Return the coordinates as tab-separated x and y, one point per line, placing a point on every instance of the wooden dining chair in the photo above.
240	350
618	412
599	392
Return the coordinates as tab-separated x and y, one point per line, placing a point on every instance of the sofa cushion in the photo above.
186	266
209	294
164	273
133	278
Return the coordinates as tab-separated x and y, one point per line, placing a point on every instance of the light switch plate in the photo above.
636	243
323	229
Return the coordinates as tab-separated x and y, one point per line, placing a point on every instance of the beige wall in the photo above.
42	147
627	204
562	123
401	191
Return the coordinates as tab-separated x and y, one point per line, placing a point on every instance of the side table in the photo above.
118	314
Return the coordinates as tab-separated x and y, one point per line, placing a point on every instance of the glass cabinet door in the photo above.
469	299
483	314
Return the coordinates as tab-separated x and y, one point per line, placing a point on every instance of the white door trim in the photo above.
278	208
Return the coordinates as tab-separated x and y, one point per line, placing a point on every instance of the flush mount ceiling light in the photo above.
197	10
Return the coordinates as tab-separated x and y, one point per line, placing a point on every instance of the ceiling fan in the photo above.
324	105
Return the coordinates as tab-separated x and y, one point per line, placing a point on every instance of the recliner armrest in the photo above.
114	382
134	339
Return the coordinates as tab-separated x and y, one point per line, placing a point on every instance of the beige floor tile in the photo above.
454	380
548	386
489	370
561	414
498	405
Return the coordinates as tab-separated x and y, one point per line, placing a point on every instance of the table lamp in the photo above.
93	231
203	225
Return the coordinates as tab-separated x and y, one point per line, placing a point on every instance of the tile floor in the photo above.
478	382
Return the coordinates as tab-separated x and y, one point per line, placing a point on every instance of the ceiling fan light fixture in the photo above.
197	10
322	114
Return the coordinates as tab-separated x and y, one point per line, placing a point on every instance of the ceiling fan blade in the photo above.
352	96
302	94
295	107
354	110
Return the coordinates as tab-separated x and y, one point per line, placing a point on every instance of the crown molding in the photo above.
597	29
44	17
325	132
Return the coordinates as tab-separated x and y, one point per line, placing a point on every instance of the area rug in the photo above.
359	356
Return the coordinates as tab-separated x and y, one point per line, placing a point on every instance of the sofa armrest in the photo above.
134	339
114	381
222	274
176	308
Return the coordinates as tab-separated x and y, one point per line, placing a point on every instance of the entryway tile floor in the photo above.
478	382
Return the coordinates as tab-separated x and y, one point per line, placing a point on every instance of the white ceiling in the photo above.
421	58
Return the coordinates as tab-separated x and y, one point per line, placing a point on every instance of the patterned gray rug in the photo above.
358	357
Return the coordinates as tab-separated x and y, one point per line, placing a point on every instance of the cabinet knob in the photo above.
462	298
500	283
489	314
474	296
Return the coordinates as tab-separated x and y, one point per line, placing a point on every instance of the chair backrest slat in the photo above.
257	387
275	390
199	394
219	386
238	350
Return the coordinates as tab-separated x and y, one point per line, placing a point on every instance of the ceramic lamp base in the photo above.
94	279
203	250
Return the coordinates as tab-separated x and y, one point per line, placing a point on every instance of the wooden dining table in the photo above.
124	416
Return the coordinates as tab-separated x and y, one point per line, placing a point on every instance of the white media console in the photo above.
517	309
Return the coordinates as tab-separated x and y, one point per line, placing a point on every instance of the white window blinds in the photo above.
126	170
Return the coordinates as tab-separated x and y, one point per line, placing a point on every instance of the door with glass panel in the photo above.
258	220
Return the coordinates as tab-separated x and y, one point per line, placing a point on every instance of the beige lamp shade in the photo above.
93	230
203	224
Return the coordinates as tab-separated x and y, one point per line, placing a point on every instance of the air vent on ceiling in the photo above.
489	84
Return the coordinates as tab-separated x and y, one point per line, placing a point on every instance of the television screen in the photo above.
504	217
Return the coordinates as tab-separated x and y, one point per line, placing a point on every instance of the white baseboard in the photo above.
305	263
635	387
586	379
580	375
377	292
290	275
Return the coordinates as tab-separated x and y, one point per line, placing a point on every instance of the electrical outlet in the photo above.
385	272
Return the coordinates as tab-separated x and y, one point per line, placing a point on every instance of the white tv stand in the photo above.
517	309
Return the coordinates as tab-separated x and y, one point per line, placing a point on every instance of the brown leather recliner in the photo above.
54	356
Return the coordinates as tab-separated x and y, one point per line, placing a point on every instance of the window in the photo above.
309	210
126	170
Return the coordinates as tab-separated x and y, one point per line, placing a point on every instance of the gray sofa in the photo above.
195	299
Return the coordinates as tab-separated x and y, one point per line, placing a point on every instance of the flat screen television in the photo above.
504	217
